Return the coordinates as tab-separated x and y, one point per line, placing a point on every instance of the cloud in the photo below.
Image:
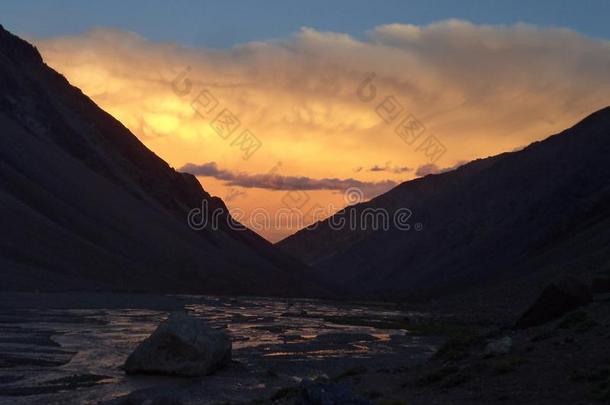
479	89
431	168
426	169
391	169
273	181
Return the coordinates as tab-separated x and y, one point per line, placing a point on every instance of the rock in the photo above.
555	300
181	345
499	347
601	285
325	393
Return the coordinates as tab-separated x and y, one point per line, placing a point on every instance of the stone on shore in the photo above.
181	345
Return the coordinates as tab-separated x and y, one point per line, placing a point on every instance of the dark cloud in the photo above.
431	168
428	168
272	181
390	169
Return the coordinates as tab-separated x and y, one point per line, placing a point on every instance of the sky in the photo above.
226	23
310	106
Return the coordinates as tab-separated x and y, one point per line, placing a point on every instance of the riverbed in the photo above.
69	348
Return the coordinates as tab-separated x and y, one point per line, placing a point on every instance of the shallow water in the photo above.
73	355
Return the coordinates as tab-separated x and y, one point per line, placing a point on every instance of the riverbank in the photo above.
563	361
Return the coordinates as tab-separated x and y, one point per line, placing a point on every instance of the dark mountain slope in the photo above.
85	204
526	215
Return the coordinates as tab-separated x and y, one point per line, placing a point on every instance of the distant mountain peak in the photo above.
13	46
516	215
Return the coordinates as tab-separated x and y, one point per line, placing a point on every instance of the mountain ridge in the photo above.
530	197
71	173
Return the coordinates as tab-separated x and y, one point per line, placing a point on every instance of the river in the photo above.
69	348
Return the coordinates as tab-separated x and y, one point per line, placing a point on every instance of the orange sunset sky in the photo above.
477	90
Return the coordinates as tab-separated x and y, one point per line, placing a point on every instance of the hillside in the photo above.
523	217
85	205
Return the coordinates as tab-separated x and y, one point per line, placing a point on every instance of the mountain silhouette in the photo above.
510	222
85	205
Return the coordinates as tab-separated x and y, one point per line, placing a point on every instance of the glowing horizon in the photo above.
333	112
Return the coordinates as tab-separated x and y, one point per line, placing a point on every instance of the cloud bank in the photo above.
273	181
479	90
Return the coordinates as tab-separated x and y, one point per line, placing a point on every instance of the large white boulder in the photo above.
181	345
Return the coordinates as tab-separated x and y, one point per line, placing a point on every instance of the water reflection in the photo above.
77	353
